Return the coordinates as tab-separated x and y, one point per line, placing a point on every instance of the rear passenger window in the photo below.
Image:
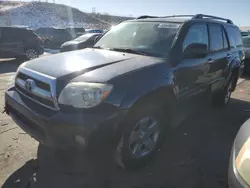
196	34
225	41
216	38
234	36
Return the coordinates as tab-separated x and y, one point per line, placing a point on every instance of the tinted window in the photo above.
225	41
10	34
216	39
234	36
196	34
243	33
246	41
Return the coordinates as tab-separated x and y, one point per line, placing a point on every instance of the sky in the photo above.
237	10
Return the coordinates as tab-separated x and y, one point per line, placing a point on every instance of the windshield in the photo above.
83	38
152	38
246	42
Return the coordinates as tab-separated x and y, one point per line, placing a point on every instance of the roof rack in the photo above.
178	16
202	16
197	16
147	16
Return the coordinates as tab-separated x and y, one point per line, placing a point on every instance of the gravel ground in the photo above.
196	154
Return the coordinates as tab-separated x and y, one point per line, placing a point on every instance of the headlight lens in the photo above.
243	162
84	95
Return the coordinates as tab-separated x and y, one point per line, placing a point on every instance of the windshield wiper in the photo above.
128	50
98	47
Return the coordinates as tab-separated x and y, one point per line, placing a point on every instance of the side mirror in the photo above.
196	50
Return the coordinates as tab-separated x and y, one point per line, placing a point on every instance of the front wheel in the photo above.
141	137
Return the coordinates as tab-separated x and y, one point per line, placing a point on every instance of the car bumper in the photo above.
62	129
234	179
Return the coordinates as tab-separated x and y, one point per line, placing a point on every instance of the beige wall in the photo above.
245	28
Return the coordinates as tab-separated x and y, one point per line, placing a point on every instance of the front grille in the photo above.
39	84
35	97
37	87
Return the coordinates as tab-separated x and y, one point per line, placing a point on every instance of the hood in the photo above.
69	43
76	62
90	64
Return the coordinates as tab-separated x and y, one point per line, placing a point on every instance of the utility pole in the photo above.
93	10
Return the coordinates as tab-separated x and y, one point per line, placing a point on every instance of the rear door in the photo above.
219	54
12	43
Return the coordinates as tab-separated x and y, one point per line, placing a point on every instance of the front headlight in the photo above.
242	162
84	95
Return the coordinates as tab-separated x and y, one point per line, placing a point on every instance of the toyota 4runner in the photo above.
126	88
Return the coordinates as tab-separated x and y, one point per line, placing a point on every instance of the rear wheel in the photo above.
223	97
141	137
31	53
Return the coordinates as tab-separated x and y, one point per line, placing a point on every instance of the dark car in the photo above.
239	165
19	42
54	37
245	33
246	45
127	89
85	41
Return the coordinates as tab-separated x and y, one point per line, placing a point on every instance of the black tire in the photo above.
223	97
127	158
31	53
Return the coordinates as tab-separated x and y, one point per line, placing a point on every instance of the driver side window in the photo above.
196	34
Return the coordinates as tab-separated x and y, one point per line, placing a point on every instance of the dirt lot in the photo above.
195	155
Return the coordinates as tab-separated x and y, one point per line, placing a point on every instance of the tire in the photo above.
142	136
223	97
31	53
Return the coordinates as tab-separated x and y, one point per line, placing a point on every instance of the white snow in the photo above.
40	14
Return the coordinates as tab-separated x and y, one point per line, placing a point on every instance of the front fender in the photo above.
156	93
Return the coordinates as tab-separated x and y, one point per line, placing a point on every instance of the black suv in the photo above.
19	42
126	90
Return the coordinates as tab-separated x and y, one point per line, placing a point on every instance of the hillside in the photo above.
41	14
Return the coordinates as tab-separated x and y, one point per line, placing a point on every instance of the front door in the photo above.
12	43
190	72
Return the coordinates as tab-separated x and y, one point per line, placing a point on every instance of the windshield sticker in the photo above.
169	25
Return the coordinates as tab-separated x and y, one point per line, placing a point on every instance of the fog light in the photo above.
80	140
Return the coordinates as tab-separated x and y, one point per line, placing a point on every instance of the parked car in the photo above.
126	90
54	37
94	31
245	33
239	165
246	45
85	41
19	42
